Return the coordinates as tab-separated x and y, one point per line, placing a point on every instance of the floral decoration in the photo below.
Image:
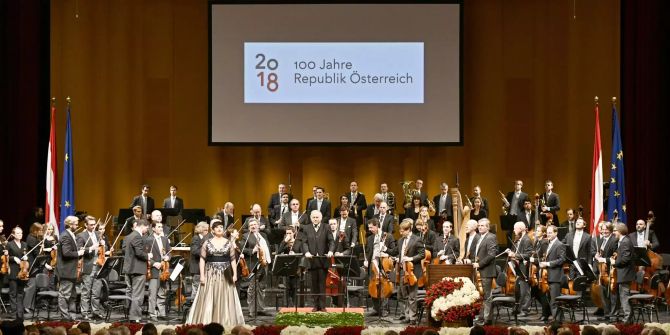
268	330
453	299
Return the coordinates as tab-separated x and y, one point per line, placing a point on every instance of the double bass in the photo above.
333	278
380	286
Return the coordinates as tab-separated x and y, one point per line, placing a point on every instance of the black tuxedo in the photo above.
318	243
196	248
554	203
151	245
275	199
370	211
350	230
522	217
424	198
263	221
485	256
325	209
16	251
415	250
178	203
387	225
83	241
451	247
524	252
284	249
624	261
652	238
389	242
287	220
137	201
429	240
523	196
448	205
276	212
129	225
251	243
584	251
66	268
357	206
556	258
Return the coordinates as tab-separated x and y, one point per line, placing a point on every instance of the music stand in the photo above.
193	215
286	266
177	265
38	265
588	272
640	256
109	265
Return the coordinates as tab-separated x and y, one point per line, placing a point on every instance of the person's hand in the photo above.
111	250
203	280
383	254
92	248
544	264
601	259
407	259
511	254
17	260
150	255
81	252
475	265
365	263
241	256
308	254
443	257
647	243
330	254
338	254
440	253
532	259
166	258
5	252
48	267
262	227
545	208
157	265
24	258
467	261
234	277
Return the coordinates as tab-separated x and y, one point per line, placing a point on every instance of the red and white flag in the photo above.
597	179
52	201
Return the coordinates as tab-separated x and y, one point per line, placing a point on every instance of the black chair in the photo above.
507	301
114	300
645	304
573	303
43	294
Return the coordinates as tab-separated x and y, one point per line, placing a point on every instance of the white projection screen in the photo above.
335	73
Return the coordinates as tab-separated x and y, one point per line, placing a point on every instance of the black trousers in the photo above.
318	287
16	294
543	299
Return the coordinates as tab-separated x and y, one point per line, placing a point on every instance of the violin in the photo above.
244	269
424	263
24	272
5	258
544	278
613	275
165	269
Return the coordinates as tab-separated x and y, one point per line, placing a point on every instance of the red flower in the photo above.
344	330
632	329
268	330
411	330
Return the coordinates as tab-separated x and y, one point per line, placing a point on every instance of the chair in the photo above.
573	303
358	288
113	300
507	301
643	304
44	294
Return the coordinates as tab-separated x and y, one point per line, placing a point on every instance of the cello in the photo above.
333	278
380	286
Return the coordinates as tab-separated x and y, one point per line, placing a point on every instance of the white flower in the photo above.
464	296
303	330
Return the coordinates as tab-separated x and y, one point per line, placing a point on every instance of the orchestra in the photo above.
394	248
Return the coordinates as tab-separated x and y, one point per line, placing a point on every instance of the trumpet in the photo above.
506	204
390	200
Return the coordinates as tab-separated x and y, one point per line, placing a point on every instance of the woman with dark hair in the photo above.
415	208
217	299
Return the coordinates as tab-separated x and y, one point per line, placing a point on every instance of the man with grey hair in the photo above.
135	267
317	242
484	262
66	268
522	249
373	208
442	201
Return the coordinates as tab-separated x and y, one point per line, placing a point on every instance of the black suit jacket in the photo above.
16	251
389	242
415	250
137	201
196	247
151	245
318	244
89	256
66	268
178	203
387	225
135	257
488	249
448	205
652	238
523	196
523	252
350	231
287	220
522	217
485	203
263	222
556	258
31	242
429	240
275	212
554	203
451	247
370	212
359	204
624	264
284	249
248	251
325	209
584	251
606	252
424	198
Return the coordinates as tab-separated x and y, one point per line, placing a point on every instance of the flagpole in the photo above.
597	205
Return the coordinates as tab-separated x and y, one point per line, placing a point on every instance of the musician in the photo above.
477	193
257	244
641	240
96	294
34	238
317	242
553	263
66	268
173	201
349	227
552	203
129	225
605	246
385	218
448	244
570	222
527	215
408	249
386	197
378	244
442	201
471	240
414	209
50	243
373	209
540	245
483	260
263	223
320	204
522	251
89	241
16	250
135	267
201	230
516	199
478	211
293	218
427	235
227	213
288	246
580	243
157	217
342	247
313	195
3	251
625	267
143	200
280	209
357	202
421	193
275	198
159	247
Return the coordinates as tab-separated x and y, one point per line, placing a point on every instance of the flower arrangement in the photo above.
133	327
268	330
53	324
453	299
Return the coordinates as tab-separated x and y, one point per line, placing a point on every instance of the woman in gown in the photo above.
217	300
